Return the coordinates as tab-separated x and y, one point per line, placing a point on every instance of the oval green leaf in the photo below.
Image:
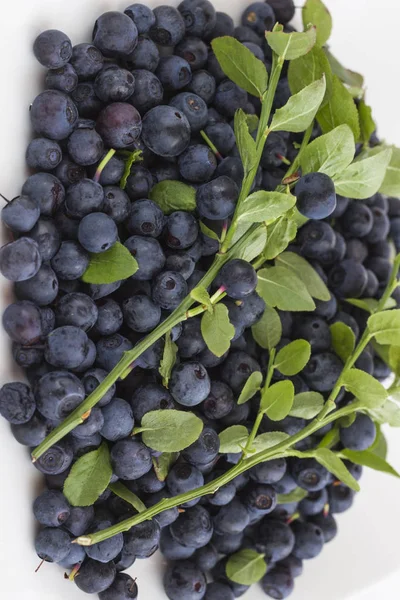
217	330
307	405
251	387
170	430
385	327
310	68
277	400
306	273
300	110
173	195
265	206
331	153
335	465
233	439
246	567
315	12
368	391
264	441
369	459
268	330
340	110
343	340
363	178
292	359
89	477
291	45
281	288
114	264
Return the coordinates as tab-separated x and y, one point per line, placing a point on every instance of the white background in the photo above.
363	563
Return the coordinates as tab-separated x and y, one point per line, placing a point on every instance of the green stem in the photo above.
211	145
103	163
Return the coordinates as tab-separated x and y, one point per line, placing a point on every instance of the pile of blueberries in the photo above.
149	81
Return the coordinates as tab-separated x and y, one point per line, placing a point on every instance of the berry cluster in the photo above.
150	82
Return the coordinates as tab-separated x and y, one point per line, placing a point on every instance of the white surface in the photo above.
361	563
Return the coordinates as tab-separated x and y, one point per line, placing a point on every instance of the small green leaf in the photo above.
329	153
251	387
296	496
315	12
292	359
268	330
168	360
245	143
367	124
309	68
340	110
114	264
343	340
130	159
368	391
255	245
309	276
277	400
291	45
265	206
368	304
252	122
350	78
369	459
163	463
379	447
170	430
217	330
335	465
240	65
122	491
363	178
385	327
201	296
279	236
173	195
89	477
246	567
264	441
388	413
208	232
391	182
307	405
394	359
281	288
300	110
233	439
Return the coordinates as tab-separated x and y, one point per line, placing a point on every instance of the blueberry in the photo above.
316	197
284	10
232	167
95	577
309	540
130	459
164	170
348	279
222	136
22	321
47	190
56	460
193	528
148	484
184	581
83	198
139	183
217	199
43	154
114	84
269	472
171	549
149	255
227	543
110	350
218	591
142	16
148	90
20	260
237	368
107	550
197	164
87	103
109	317
190	384
316	237
42	288
203	85
21	214
193	107
224	494
64	79
204	449
231	518
85	147
199	16
277	583
51	508
119	124
314	503
259	499
71	261
169	289
183	478
360	435
229	97
122	588
146	218
380	227
97	232
169	26
47	237
115	34
275	539
87	61
76	309
191	342
194	51
243	33
239	278
31	433
358	220
260	17
142	540
206	558
145	56
79	519
57	394
316	331
52	48
27	357
309	474
327	524
181	230
381	267
293	565
140	313
52	545
53	114
112	173
166	131
66	347
68	172
381	249
219	402
17	403
75	556
148	398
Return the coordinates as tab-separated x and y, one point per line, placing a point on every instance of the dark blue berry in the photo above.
95	577
130	459
229	97
56	460
71	261
115	34
43	154
122	588
57	394
47	190
148	398
142	16
140	313
148	90
348	279
199	16
21	214
190	384
145	55
20	260
166	131
64	79
217	199
316	197
197	163
277	583
53	114
169	289
51	508
203	85
169	27
119	124
52	48
66	347
97	232
52	544
87	61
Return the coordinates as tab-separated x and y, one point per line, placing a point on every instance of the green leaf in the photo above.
252	122
233	439
367	124
217	330
343	340
296	496
163	463
277	400
394	359
309	276
391	182
168	360
114	264
369	459
268	330
330	153
251	387
130	159
255	245
350	78
369	392
281	288
170	430
385	327
208	232
201	296
279	236
240	65
340	110
370	304
315	12
292	359
307	405
388	413
291	45
309	68
265	206
363	178
300	110
331	438
173	195
245	143
335	465
122	491
264	441
379	447
89	477
246	567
